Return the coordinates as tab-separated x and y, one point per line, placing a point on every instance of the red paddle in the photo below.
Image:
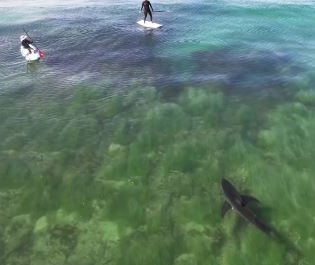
41	53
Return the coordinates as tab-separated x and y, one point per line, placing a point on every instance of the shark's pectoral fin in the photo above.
247	198
225	207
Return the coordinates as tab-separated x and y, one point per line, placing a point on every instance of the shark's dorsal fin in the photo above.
247	198
225	207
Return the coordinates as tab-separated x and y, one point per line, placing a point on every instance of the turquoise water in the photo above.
113	146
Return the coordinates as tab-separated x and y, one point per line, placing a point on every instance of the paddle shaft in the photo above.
31	39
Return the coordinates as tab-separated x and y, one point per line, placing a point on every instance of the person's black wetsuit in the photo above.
146	5
26	44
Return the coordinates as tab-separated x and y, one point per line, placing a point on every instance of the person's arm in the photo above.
142	6
151	6
29	41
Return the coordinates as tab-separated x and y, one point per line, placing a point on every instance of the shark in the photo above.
239	203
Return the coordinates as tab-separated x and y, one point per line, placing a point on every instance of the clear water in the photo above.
113	146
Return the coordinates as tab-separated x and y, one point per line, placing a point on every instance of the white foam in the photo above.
79	3
44	3
277	2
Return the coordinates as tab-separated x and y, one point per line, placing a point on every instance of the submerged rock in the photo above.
192	227
114	148
41	225
18	236
63	217
186	259
97	244
55	240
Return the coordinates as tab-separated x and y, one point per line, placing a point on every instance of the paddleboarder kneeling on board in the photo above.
25	42
146	5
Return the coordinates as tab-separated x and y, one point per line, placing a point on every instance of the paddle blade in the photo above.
41	54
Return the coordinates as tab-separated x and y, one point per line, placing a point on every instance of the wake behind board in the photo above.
149	24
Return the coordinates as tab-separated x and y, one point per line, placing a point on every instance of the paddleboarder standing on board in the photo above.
146	5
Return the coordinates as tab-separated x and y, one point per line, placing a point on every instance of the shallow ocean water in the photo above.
113	146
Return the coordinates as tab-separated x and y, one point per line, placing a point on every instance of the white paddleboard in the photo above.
149	24
30	57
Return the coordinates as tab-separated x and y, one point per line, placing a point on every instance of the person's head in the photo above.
23	37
